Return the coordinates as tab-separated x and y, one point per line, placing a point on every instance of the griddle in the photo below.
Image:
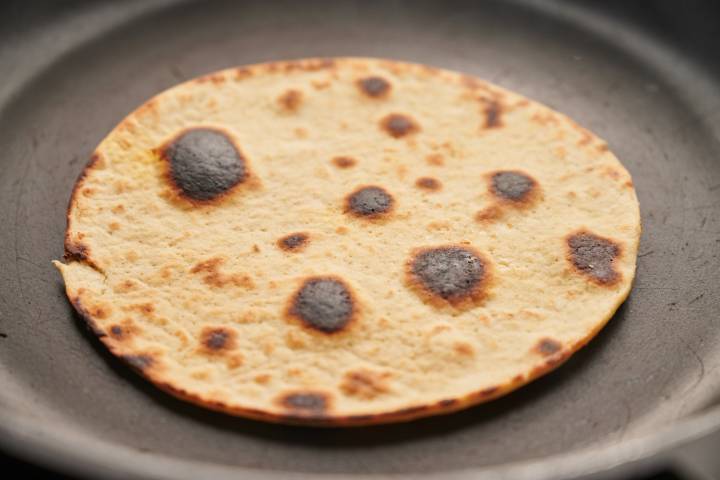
643	75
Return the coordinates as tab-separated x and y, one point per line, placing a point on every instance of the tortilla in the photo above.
347	241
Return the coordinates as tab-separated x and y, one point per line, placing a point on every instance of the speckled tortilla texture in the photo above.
195	295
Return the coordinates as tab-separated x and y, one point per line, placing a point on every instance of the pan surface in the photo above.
649	380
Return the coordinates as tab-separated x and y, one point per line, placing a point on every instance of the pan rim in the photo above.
44	446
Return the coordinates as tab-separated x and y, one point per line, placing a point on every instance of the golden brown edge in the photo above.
405	414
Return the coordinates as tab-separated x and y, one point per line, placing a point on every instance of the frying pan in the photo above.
646	388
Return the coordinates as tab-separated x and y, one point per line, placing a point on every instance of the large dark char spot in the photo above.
293	242
398	125
452	273
376	87
204	163
369	202
324	304
305	403
594	256
513	186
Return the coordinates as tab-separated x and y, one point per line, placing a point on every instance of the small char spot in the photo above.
493	112
290	100
512	185
428	183
369	202
204	163
344	162
448	402
324	304
548	346
375	87
594	256
116	331
398	125
365	384
308	403
210	271
216	339
293	242
451	274
139	362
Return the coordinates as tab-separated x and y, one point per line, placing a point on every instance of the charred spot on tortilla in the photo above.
369	202
344	162
428	183
306	403
594	256
324	304
452	273
512	186
294	242
217	339
374	87
204	163
398	125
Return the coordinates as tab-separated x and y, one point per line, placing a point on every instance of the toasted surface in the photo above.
348	241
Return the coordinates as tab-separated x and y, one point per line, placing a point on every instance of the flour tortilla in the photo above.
347	241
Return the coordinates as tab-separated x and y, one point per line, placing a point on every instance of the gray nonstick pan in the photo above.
643	75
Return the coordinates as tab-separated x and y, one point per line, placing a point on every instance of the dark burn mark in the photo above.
293	242
428	183
306	403
450	274
369	202
493	112
448	402
513	186
548	346
324	304
204	163
594	256
116	331
139	362
375	87
344	162
216	339
398	125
